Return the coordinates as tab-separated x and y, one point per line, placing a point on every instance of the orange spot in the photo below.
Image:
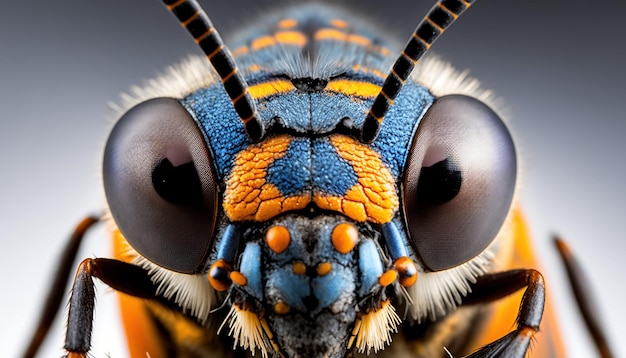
267	89
278	238
287	23
238	278
299	268
281	308
407	271
359	40
330	34
324	268
217	275
339	23
262	42
291	38
76	355
344	237
254	68
354	88
388	278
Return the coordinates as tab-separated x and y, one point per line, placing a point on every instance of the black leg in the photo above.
582	294
121	276
57	289
491	287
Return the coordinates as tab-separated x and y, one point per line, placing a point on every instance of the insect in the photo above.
305	209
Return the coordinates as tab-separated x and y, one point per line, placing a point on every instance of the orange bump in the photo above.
287	23
291	38
324	268
388	278
262	42
344	237
339	23
299	268
218	275
238	278
407	271
281	308
278	238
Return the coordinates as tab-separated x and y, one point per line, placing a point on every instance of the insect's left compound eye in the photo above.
459	181
160	184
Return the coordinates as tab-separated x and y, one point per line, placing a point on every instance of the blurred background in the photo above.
559	69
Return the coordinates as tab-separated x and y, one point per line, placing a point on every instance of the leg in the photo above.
491	287
57	290
120	276
585	302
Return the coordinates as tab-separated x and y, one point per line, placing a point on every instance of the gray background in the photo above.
558	67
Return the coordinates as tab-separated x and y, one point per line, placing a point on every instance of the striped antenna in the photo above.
196	21
440	17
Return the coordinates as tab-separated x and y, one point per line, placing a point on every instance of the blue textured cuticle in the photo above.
331	174
291	174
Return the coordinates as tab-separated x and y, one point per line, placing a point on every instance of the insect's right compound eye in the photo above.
160	185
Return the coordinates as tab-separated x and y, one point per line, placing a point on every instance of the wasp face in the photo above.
307	291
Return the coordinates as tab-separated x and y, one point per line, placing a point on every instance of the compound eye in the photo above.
160	185
459	181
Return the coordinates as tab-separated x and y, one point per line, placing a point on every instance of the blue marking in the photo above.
291	174
250	267
220	125
370	266
229	243
394	140
328	110
393	239
328	288
290	287
331	173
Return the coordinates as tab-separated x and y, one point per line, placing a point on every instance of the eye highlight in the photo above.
160	185
459	181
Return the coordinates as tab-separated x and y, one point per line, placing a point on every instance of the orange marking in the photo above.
240	51
278	238
193	17
287	23
375	189
334	34
441	29
215	283
262	42
388	278
358	39
267	89
76	355
229	75
344	237
353	88
330	34
339	23
407	270
238	278
443	7
291	38
254	68
417	37
324	268
282	308
176	4
299	268
215	52
204	35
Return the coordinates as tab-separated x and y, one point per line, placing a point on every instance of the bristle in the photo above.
192	292
437	293
373	331
246	329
